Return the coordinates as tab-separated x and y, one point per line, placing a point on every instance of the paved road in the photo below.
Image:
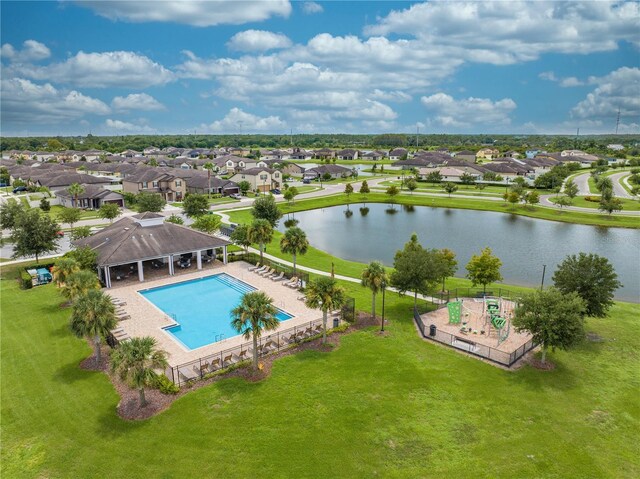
582	181
618	189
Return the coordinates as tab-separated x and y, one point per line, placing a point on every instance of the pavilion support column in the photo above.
199	258
171	272
140	272
107	276
224	254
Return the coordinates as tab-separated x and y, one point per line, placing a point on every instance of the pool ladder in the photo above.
218	337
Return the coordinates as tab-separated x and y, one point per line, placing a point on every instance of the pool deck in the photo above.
148	320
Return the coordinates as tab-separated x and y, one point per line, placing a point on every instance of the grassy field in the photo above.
627	204
377	406
84	215
458	202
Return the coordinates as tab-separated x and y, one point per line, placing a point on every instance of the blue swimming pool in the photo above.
202	308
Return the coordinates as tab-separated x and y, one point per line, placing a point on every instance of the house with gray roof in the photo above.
93	197
145	242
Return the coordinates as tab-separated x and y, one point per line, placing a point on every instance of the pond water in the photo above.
376	231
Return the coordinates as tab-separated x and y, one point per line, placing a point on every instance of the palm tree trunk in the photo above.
255	352
324	326
261	253
143	400
373	306
96	342
415	299
294	264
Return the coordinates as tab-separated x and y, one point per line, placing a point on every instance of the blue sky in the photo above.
221	67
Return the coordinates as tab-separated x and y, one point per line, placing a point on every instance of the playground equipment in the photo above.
495	315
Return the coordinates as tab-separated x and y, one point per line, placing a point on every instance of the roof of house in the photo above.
144	237
90	192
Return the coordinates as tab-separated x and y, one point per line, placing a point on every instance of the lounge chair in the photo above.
243	355
123	317
295	285
227	359
291	281
280	277
273	275
215	364
261	269
253	268
268	272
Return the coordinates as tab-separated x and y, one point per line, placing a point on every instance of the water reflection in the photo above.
523	244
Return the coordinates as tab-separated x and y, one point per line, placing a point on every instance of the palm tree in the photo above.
375	278
75	190
136	360
253	315
325	294
93	316
64	268
209	167
79	283
261	232
294	242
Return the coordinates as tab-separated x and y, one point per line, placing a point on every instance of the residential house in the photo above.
487	154
348	154
92	198
156	180
336	171
260	178
466	155
324	154
398	154
300	154
373	155
293	169
205	184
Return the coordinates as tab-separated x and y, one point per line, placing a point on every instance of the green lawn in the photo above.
627	204
84	215
392	406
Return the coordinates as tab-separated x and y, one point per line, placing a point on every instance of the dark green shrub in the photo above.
164	385
25	280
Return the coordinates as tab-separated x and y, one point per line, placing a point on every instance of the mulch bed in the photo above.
129	409
538	364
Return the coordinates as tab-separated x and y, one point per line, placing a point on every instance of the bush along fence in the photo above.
487	352
254	258
207	366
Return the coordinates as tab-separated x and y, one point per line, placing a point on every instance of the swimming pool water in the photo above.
202	308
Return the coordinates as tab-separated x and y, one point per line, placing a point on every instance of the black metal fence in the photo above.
206	365
487	352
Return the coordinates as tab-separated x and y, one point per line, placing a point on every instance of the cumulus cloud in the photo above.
100	70
32	50
468	111
258	40
136	101
123	126
617	91
509	32
563	82
198	13
312	7
236	119
26	102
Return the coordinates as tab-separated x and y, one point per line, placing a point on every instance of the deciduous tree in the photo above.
484	269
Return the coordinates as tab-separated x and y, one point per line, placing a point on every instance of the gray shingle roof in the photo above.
127	241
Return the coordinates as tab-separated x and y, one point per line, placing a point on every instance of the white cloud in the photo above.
312	7
469	111
136	101
570	82
31	51
515	31
198	13
108	69
397	96
617	91
26	102
123	126
237	119
258	40
549	76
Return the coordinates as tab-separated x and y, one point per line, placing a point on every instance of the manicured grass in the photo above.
627	204
459	202
307	189
438	188
212	201
376	406
84	215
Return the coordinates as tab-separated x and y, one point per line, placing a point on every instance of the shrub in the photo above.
163	384
593	199
25	280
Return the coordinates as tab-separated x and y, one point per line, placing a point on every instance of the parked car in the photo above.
235	196
19	189
275	191
306	181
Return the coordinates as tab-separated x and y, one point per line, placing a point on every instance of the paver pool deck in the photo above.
148	320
